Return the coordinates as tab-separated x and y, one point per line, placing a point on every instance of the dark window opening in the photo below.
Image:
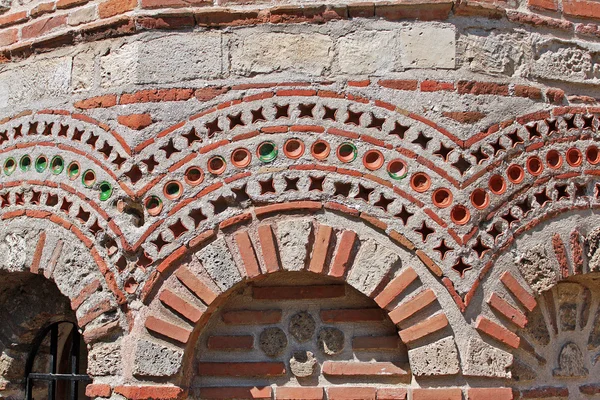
54	366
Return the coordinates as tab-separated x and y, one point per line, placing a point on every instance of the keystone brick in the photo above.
241	369
412	306
295	393
396	287
496	331
298	292
352	315
320	249
507	310
342	259
269	248
437	394
423	328
223	393
248	317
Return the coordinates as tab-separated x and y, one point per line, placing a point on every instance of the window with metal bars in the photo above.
56	360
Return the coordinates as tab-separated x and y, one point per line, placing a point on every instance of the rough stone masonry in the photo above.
301	200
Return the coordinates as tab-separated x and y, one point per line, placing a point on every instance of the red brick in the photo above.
136	122
168	329
92	335
149	392
195	284
8	36
545	392
576	252
320	249
182	306
37	254
43	26
352	315
299	393
464	117
12	19
226	393
86	292
98	390
432	10
401	239
244	245
391	394
583	9
436	86
551	5
110	8
411	307
296	92
470	87
294	205
507	310
423	328
437	394
351	393
268	246
249	317
60	4
97	102
230	342
528	91
497	331
433	267
42	8
561	255
399	84
375	342
298	292
241	369
518	291
489	394
342	258
157	96
173	3
354	368
590	388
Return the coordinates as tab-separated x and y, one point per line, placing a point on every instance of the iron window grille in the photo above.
64	363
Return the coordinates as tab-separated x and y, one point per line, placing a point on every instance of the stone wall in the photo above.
419	178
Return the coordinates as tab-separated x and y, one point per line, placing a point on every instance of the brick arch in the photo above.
58	255
184	302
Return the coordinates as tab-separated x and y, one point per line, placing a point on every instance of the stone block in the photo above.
369	52
438	358
372	263
293	243
154	359
177	58
537	269
428	46
566	61
119	66
105	359
276	52
218	262
82	78
485	360
81	15
495	52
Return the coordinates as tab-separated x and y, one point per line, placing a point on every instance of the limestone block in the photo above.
82	15
274	52
154	359
369	52
537	269
83	71
495	52
570	361
14	247
438	358
35	80
119	66
428	46
180	57
485	360
566	61
218	262
105	359
372	263
293	243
